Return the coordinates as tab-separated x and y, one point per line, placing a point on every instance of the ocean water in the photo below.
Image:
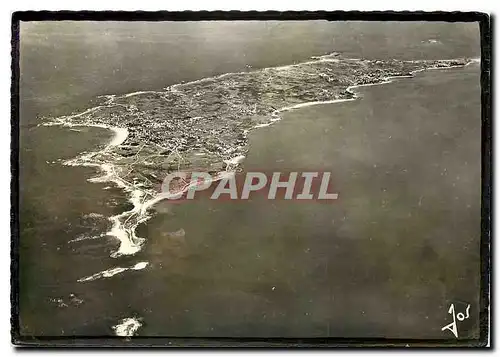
385	260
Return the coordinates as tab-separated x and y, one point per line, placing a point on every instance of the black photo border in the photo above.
486	311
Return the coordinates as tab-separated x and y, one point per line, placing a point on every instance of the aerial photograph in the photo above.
249	179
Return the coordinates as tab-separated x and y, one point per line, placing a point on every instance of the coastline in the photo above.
129	242
384	80
125	233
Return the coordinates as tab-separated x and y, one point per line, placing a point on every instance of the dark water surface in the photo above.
387	259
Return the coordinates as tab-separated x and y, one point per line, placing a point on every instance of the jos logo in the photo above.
461	316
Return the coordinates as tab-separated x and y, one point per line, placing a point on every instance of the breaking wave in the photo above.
113	271
127	327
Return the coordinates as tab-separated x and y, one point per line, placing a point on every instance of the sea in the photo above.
386	260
